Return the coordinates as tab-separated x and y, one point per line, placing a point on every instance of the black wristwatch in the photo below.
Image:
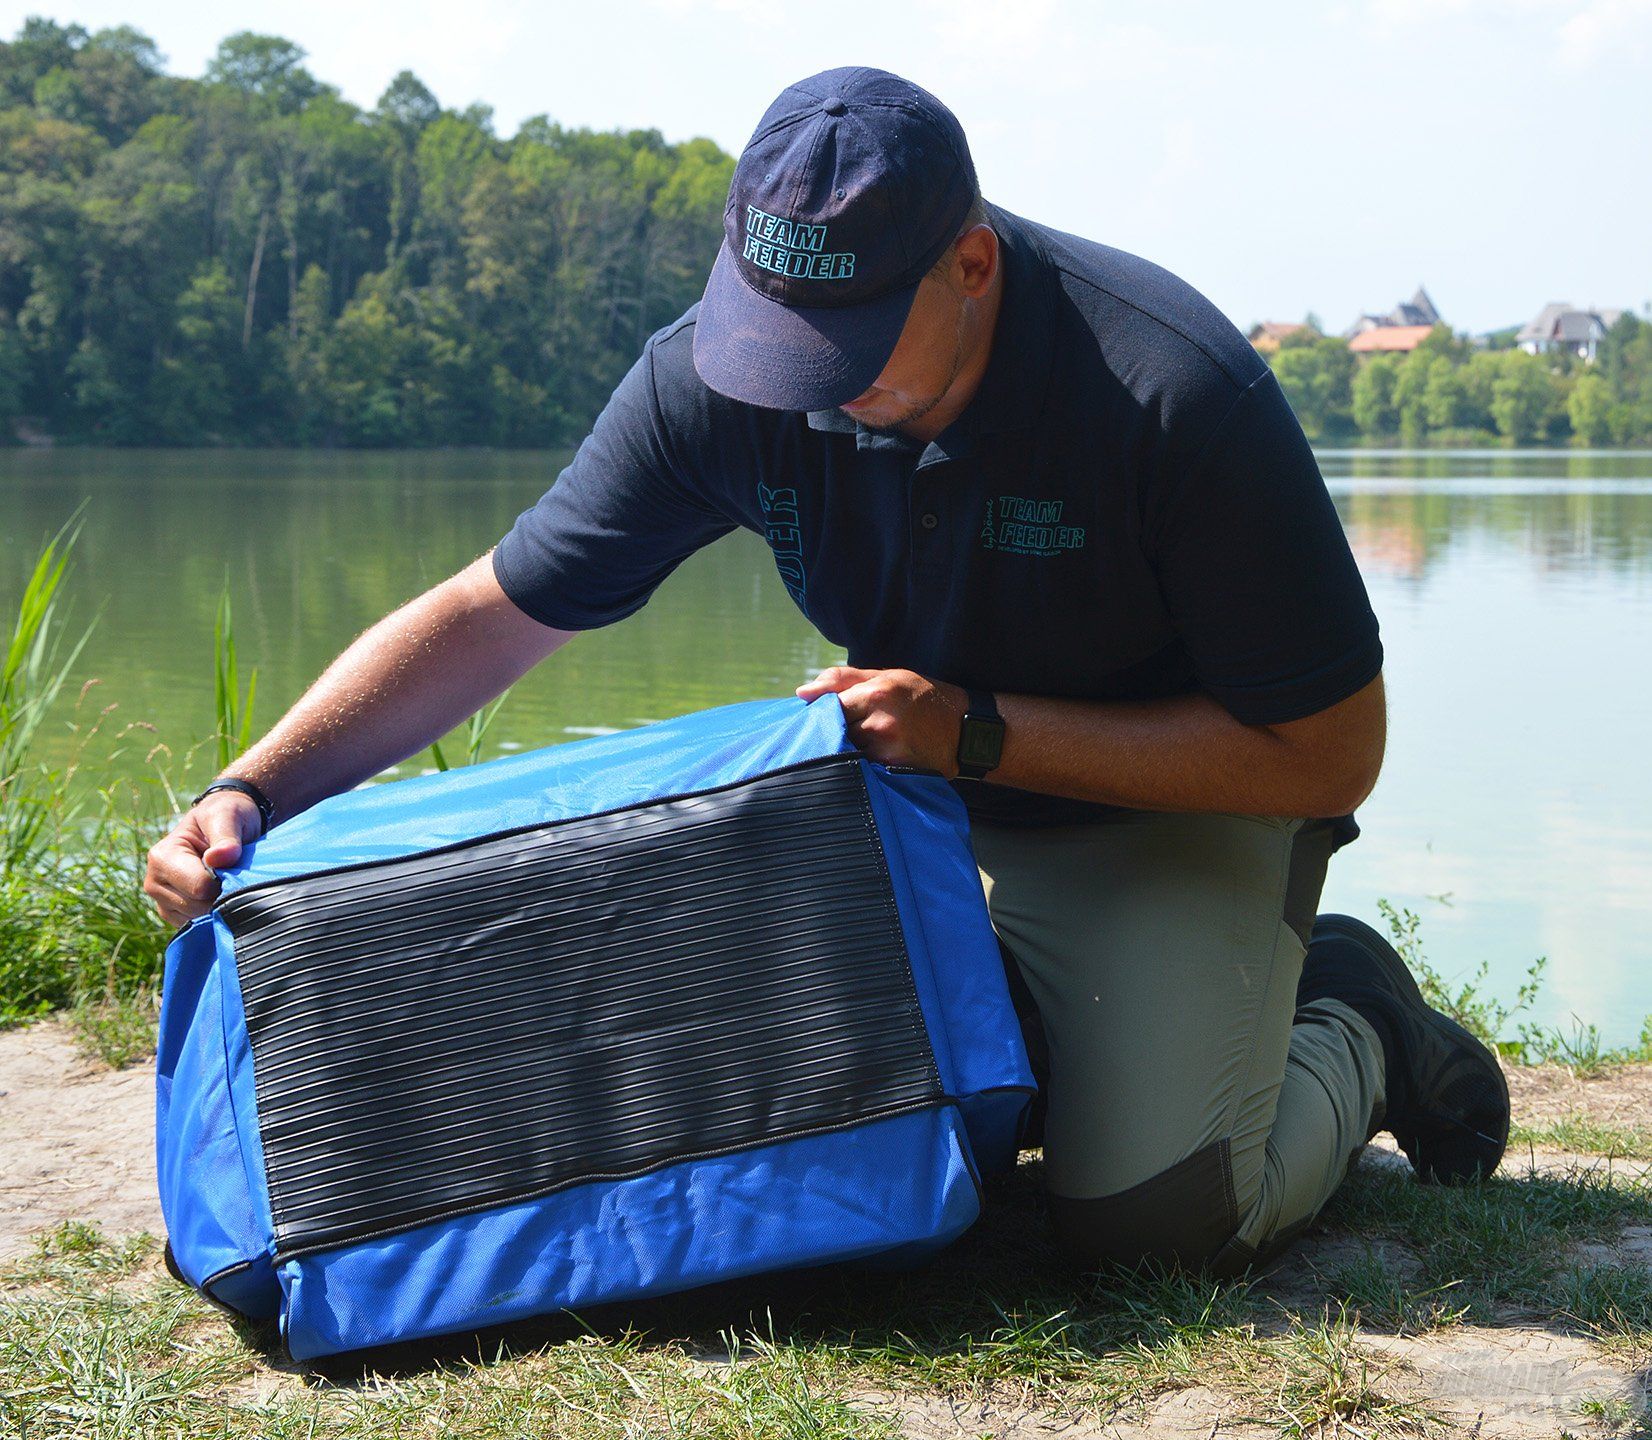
980	737
266	811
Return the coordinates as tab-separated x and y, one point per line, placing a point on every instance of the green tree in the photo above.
1524	397
1589	408
1443	397
1374	410
264	67
39	48
14	374
1411	395
202	383
248	257
1317	373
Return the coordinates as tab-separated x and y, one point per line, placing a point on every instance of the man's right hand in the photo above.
401	684
210	837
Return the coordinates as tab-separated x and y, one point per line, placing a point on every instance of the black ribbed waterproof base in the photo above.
588	999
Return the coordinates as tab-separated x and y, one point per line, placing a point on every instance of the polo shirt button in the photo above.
929	520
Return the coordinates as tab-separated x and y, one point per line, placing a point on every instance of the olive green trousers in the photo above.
1192	1114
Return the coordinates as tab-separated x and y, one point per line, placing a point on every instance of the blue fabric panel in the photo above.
995	1120
211	1218
955	957
253	1291
830	1197
242	1089
401	817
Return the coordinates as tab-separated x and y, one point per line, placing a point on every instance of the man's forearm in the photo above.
401	684
1187	753
1182	753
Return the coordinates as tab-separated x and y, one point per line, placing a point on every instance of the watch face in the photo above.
980	742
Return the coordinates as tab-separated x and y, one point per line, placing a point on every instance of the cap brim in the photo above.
791	357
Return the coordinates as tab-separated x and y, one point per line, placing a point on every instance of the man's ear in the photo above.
976	262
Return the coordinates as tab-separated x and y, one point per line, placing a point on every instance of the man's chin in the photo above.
887	424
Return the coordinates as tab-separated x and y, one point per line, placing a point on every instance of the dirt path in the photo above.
77	1139
76	1143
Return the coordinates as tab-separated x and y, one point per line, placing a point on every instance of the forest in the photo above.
1449	391
249	259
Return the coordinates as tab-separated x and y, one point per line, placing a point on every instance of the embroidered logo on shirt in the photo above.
785	536
1028	527
792	248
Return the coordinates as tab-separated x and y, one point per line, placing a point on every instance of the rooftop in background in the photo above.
1558	326
1418	310
1389	339
1267	334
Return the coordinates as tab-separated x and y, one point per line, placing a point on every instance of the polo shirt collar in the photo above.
1012	389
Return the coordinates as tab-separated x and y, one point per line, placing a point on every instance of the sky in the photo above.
1282	158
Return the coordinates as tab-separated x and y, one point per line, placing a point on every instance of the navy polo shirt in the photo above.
1127	509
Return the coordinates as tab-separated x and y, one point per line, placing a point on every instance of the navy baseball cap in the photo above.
850	189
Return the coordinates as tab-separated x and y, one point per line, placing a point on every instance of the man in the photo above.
1081	557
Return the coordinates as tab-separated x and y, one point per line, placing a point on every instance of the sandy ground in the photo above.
77	1139
76	1143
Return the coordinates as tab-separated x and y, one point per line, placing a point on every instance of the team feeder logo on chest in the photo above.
1028	527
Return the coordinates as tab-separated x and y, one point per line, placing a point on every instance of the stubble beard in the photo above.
923	407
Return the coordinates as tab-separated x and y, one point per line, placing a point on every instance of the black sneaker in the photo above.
1447	1102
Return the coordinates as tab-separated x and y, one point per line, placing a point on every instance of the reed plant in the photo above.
75	824
234	711
475	732
38	660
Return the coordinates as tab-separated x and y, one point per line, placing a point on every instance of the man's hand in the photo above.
210	837
400	684
1182	752
896	717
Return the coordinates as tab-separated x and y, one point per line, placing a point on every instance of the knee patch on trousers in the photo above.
1186	1216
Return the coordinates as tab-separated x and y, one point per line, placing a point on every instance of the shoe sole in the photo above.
1399	973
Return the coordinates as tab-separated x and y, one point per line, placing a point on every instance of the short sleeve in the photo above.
618	520
1256	572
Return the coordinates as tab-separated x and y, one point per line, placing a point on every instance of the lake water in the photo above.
1514	589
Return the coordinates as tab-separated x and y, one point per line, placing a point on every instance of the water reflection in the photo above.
1514	591
1515	809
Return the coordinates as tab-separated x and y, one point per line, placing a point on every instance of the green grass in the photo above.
1382	1290
1583	1136
76	930
35	665
95	1340
1494	1248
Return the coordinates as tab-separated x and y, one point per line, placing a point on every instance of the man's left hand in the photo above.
896	717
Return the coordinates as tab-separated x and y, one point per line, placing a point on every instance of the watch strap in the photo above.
980	711
266	810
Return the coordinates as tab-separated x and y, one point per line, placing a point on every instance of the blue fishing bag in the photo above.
605	1020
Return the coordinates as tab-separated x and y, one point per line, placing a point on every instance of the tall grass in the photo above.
76	930
476	729
234	712
74	923
38	660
